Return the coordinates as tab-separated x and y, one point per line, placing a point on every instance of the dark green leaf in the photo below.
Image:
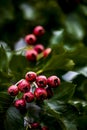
3	60
52	122
64	92
18	65
5	100
59	62
14	120
82	123
4	78
74	26
64	112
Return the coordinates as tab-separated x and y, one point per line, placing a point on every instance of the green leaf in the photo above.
57	37
18	65
52	122
51	118
3	60
79	56
59	62
74	27
64	92
5	100
4	78
14	120
81	83
64	112
83	71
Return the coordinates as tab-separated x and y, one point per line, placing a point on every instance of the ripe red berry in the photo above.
24	86
30	76
46	52
30	39
20	104
35	125
39	48
44	128
29	97
53	81
39	31
31	55
40	93
13	90
41	81
49	92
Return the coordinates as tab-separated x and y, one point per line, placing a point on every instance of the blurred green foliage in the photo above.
66	34
18	18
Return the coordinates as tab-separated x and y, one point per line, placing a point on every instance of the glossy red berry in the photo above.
30	39
24	86
31	55
44	128
39	30
20	104
13	90
53	81
49	92
39	48
46	52
29	97
35	125
41	81
40	93
30	76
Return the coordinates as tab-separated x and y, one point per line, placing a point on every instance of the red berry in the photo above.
13	90
53	81
30	39
30	76
41	81
39	48
29	97
24	86
44	128
31	55
35	125
40	93
46	52
20	104
49	92
39	30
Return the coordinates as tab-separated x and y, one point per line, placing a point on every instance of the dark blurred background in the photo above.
18	18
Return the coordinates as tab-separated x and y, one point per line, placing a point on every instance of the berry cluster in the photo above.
36	49
33	88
